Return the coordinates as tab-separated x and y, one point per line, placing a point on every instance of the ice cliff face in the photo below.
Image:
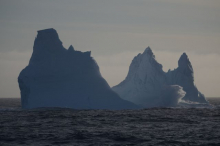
56	77
148	85
184	77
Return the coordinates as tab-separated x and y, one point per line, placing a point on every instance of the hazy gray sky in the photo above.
115	31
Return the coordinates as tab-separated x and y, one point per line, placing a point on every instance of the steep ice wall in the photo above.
184	76
148	85
56	77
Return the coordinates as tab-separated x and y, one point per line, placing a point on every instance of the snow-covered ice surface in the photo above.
152	126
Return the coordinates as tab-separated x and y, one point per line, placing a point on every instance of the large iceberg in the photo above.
149	86
57	77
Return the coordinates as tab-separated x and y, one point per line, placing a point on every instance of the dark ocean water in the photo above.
155	126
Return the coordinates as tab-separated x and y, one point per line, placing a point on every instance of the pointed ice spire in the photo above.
184	61
149	52
148	49
71	49
185	66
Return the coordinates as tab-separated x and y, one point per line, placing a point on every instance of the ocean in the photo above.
144	127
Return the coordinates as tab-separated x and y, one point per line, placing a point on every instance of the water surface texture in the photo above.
154	126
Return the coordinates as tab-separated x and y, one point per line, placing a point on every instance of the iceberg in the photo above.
148	85
66	78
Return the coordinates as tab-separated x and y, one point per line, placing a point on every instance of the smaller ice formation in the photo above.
149	86
57	77
184	76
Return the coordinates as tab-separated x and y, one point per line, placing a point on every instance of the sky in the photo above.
115	31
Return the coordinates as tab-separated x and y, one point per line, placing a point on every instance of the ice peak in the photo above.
149	52
50	32
148	49
47	30
71	48
48	39
185	66
46	43
184	55
184	60
49	35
